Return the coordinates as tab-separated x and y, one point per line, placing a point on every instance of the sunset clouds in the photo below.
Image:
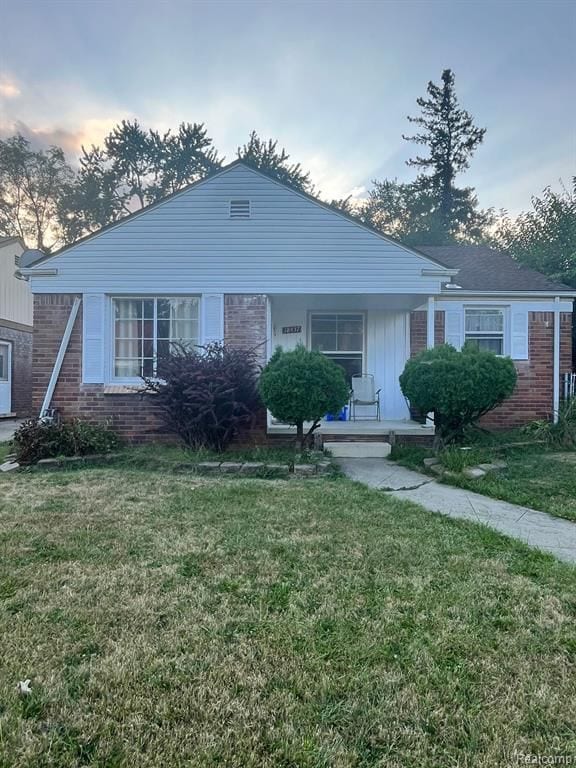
332	80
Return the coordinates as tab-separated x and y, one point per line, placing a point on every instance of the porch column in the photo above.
430	322
556	369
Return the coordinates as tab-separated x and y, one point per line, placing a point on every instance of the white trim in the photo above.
60	356
431	323
269	329
510	294
110	338
361	312
556	396
8	381
534	306
505	334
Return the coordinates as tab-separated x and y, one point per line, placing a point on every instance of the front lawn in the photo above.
173	620
534	477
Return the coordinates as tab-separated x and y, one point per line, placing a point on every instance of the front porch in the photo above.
364	334
362	430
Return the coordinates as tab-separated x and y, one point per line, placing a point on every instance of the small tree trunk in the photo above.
300	434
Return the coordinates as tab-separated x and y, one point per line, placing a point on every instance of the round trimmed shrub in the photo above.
300	386
457	387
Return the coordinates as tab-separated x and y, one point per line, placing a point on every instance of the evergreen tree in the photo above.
452	138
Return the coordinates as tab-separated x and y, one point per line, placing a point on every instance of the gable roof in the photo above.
31	258
485	269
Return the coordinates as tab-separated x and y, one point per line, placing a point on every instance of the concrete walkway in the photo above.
7	429
538	529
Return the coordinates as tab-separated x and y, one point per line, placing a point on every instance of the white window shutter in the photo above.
93	311
519	333
454	327
212	323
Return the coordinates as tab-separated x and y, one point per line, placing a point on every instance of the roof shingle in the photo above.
484	269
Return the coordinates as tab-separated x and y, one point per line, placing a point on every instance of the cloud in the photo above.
8	88
91	131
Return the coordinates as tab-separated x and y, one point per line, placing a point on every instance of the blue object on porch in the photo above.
342	416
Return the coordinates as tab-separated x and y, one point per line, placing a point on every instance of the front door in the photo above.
5	377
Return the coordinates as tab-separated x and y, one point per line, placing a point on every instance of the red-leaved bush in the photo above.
206	395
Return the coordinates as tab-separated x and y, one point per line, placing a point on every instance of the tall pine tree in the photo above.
449	133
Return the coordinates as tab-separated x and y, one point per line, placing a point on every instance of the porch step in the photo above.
358	450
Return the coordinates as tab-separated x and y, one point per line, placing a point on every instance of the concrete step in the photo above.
358	450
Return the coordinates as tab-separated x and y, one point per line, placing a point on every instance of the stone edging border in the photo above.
243	468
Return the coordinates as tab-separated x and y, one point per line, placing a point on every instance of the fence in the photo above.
569	386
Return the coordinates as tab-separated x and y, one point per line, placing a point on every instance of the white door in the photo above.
5	377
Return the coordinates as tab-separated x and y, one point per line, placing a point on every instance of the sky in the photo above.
332	80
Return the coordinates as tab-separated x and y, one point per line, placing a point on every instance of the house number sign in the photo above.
292	329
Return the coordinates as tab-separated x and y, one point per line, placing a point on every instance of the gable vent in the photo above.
239	209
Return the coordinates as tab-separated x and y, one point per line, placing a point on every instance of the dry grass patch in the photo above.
169	621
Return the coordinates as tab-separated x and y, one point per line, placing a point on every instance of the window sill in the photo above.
121	389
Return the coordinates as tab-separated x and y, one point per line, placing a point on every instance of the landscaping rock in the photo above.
230	466
208	466
252	467
9	466
304	469
277	469
431	462
322	467
438	469
474	473
493	466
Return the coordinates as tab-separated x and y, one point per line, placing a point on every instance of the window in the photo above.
239	209
145	329
341	338
485	328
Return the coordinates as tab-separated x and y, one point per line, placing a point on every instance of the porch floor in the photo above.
360	428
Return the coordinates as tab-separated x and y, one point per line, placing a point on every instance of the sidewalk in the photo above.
538	529
7	429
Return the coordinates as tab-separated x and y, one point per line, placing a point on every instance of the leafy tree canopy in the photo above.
135	167
33	185
544	238
265	156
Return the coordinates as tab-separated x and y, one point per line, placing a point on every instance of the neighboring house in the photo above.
244	258
16	306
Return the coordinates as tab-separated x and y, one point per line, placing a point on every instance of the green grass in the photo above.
183	621
178	454
536	476
5	449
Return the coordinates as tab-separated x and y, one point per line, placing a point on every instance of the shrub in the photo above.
301	385
457	387
560	434
35	440
206	395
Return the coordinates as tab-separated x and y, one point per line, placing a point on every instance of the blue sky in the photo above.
332	80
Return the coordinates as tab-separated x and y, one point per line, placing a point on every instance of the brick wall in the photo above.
534	391
133	417
20	337
419	333
245	322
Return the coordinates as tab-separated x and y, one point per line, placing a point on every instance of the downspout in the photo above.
556	398
60	357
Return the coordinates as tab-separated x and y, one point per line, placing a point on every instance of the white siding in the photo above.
15	296
189	244
386	341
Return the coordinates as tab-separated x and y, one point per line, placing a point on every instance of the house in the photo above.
242	257
15	333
